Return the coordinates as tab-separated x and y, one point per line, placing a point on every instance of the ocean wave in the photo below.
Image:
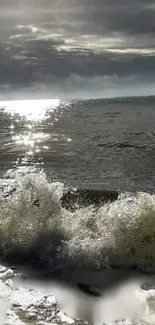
42	222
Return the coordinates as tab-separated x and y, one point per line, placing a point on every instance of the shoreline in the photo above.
30	301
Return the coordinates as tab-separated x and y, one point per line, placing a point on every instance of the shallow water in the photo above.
28	300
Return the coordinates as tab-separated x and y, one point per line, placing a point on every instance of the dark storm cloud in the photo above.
66	44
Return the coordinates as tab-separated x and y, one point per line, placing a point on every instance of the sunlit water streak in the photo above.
33	110
27	134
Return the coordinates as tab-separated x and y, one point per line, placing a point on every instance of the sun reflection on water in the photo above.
33	110
29	138
30	141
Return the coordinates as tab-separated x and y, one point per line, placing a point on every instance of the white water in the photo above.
122	232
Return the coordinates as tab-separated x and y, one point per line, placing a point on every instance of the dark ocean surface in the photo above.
100	143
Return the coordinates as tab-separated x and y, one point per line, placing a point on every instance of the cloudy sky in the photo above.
57	48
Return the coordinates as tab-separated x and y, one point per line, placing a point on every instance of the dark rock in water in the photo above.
83	198
148	286
89	289
36	203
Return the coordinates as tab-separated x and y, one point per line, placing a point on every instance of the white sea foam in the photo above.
120	232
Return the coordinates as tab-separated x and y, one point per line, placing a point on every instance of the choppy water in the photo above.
93	143
46	147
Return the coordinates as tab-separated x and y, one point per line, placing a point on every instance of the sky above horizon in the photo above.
76	48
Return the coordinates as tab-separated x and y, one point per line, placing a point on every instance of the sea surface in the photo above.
49	147
100	143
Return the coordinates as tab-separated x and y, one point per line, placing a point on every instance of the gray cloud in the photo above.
71	45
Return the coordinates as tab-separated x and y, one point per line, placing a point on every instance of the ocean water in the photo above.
107	144
47	148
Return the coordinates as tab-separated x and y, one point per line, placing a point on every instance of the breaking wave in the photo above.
37	227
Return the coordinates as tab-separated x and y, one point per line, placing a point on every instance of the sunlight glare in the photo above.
33	110
29	139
